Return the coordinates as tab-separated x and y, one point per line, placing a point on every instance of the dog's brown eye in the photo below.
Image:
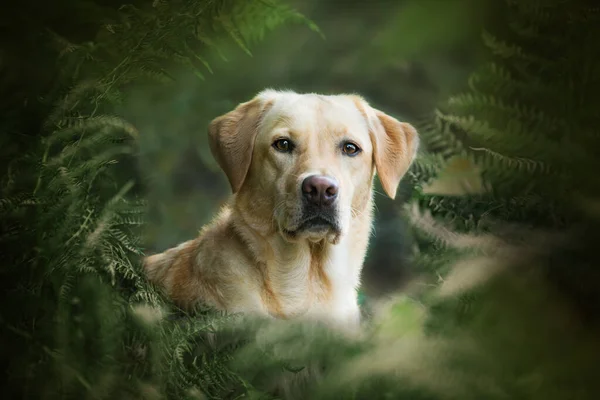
283	145
350	149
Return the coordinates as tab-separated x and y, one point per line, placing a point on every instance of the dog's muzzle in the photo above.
319	207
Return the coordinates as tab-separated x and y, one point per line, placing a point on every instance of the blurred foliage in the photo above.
527	129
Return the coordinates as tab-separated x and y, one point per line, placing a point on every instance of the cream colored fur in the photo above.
245	261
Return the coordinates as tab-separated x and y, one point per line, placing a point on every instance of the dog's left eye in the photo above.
350	149
283	145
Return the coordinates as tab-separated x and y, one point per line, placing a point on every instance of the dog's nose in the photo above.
320	190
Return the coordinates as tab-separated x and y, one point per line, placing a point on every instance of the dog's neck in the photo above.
296	272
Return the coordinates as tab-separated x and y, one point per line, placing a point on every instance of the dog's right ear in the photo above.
231	138
395	145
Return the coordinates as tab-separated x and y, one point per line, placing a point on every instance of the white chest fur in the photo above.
313	282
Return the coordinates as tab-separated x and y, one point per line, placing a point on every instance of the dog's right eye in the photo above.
283	145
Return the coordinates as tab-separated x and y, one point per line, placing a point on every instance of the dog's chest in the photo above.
317	283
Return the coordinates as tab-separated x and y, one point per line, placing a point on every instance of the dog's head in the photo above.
303	164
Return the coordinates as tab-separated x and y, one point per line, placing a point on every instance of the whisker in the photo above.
353	211
378	192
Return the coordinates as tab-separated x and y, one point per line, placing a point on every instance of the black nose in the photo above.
320	190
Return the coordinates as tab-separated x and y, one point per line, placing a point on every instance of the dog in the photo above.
291	241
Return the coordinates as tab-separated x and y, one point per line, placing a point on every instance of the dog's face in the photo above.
304	163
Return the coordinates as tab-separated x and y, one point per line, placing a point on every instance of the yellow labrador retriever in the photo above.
292	240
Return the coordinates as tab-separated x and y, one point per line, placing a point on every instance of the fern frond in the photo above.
443	235
124	240
515	140
508	51
516	163
441	137
497	110
425	167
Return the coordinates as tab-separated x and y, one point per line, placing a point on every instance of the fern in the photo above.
526	123
74	215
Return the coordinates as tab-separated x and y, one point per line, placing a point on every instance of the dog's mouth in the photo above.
317	223
316	227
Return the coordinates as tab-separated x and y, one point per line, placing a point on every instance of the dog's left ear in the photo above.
231	138
395	147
